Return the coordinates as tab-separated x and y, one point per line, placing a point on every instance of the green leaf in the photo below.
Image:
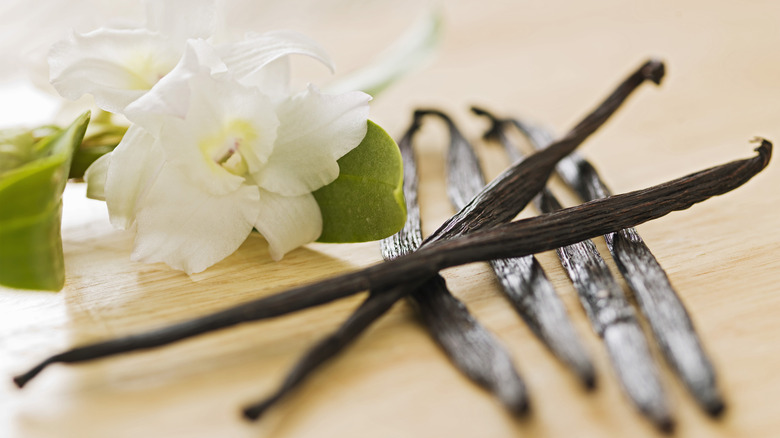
85	156
366	201
102	136
31	210
19	146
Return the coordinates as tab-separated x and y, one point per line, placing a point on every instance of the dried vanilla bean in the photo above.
670	323
469	345
515	239
376	305
373	307
504	197
466	342
609	311
522	279
499	201
614	320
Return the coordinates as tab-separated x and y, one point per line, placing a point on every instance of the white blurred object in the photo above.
29	30
410	52
22	104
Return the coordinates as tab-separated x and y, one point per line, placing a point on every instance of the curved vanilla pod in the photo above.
666	314
614	320
468	344
515	239
376	305
373	307
523	280
611	315
512	190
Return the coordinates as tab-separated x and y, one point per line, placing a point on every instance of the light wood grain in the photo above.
551	61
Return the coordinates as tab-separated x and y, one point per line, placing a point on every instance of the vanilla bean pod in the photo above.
373	307
466	342
666	314
376	305
512	190
612	316
614	320
522	279
515	239
569	225
469	345
499	202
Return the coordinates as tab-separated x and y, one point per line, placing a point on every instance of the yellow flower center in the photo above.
146	70
226	148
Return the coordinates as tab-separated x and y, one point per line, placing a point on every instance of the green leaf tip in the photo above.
31	214
102	137
366	201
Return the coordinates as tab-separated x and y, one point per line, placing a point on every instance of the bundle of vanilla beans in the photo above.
483	230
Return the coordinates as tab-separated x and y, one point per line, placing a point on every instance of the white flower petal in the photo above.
95	176
226	121
170	96
247	58
134	165
115	66
288	222
189	229
273	80
315	130
183	149
233	104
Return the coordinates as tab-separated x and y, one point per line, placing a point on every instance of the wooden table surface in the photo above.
551	61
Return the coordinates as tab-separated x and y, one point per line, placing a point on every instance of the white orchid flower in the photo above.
218	143
118	65
211	155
